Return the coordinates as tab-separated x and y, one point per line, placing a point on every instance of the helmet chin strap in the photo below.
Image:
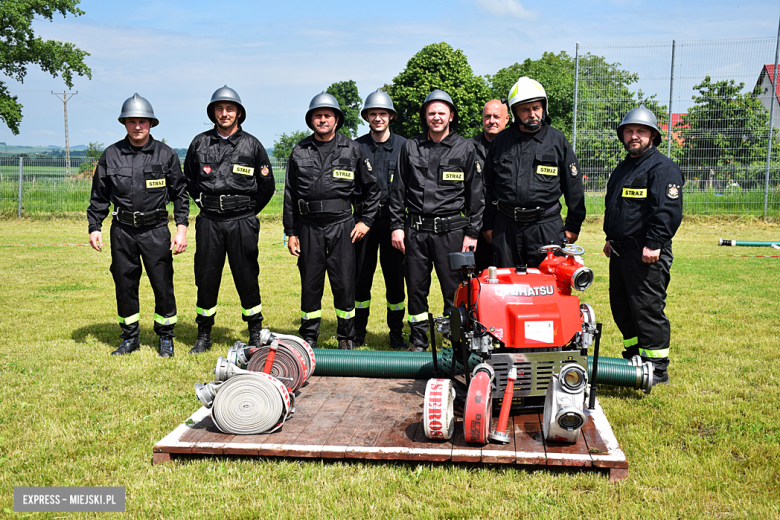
532	126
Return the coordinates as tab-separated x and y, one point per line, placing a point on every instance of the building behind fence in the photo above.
713	101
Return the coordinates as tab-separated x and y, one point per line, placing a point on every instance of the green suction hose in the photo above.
419	365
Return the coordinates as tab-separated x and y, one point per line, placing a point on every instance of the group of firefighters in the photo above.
406	203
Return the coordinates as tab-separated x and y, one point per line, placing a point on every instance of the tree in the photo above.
346	93
438	66
95	150
21	47
283	146
556	74
724	132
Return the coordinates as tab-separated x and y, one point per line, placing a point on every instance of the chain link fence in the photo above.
713	102
43	185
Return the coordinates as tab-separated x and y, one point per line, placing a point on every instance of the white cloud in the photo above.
511	8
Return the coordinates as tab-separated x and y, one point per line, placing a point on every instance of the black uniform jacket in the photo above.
344	171
644	200
383	158
437	180
533	170
141	181
237	165
482	146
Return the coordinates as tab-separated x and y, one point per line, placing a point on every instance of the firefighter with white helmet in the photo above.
229	176
529	166
643	210
140	176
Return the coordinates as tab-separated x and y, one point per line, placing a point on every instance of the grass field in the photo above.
706	446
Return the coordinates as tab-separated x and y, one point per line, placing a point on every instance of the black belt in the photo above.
224	202
384	210
140	219
621	247
323	206
526	215
437	224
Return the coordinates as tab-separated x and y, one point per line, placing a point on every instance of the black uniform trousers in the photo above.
238	240
128	247
423	251
637	296
518	243
391	260
484	256
327	248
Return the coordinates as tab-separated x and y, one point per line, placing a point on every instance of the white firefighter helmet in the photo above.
527	90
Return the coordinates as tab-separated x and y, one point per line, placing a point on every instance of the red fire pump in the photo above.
528	337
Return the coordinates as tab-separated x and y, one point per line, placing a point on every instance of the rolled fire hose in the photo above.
248	404
289	365
419	365
439	409
266	337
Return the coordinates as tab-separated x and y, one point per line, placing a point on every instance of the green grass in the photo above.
707	446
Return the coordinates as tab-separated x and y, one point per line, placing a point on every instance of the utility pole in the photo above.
64	99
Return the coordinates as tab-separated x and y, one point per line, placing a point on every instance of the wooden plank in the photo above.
159	458
563	454
617	474
172	442
362	405
376	437
529	442
614	456
497	452
462	451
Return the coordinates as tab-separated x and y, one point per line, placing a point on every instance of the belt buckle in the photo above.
416	225
436	222
514	213
135	218
221	199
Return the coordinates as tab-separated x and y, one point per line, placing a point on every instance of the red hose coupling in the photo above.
269	361
500	434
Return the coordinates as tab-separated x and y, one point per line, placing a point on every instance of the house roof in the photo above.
676	118
770	70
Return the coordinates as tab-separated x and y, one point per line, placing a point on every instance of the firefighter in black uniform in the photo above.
140	176
230	178
643	209
527	169
324	171
495	117
381	147
436	205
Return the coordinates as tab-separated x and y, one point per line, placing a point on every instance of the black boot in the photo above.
397	340
127	346
360	339
345	344
660	374
203	341
166	346
255	328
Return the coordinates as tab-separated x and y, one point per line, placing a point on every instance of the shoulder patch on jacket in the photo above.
368	165
673	191
573	169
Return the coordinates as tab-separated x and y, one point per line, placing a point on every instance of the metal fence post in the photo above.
21	169
576	91
671	93
773	97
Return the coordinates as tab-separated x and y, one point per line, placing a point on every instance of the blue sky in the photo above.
278	55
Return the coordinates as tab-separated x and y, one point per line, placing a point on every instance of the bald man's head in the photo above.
495	117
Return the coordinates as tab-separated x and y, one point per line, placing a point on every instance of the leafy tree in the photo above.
438	66
21	47
95	150
283	146
556	74
346	93
724	132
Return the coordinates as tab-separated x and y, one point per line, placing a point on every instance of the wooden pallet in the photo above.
360	418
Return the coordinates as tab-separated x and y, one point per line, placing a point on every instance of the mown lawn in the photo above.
708	445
